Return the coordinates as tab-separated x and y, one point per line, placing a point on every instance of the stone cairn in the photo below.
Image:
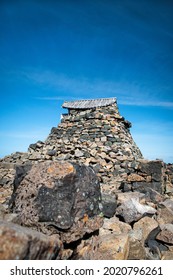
137	203
93	133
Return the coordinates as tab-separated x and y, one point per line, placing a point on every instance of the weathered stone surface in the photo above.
8	217
109	205
142	240
58	196
123	197
152	190
79	229
167	255
135	178
132	210
165	215
21	243
87	249
78	153
168	203
136	246
166	234
153	168
114	225
113	247
146	225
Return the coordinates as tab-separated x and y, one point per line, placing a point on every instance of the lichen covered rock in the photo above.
58	197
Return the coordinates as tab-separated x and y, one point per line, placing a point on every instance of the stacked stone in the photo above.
98	136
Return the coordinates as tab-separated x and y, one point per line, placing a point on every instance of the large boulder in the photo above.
58	197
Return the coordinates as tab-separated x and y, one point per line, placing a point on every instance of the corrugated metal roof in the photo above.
88	103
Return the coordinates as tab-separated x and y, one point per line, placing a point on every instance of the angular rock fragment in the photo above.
146	225
21	243
166	234
113	247
152	190
168	203
167	255
136	246
109	205
132	210
165	213
87	249
122	197
114	225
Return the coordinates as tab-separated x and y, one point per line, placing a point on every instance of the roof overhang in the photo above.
89	103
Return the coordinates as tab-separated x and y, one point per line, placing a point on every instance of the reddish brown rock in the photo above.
165	215
146	225
167	255
113	225
87	249
113	247
166	234
135	178
21	243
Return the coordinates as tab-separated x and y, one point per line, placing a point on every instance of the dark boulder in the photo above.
109	205
58	196
152	168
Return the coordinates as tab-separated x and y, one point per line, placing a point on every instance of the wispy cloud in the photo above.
131	94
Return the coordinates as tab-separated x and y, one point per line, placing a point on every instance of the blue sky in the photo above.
51	51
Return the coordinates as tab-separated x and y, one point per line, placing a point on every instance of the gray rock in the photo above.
79	153
33	146
51	152
153	190
168	203
109	205
132	210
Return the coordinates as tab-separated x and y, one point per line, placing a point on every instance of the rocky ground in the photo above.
57	211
